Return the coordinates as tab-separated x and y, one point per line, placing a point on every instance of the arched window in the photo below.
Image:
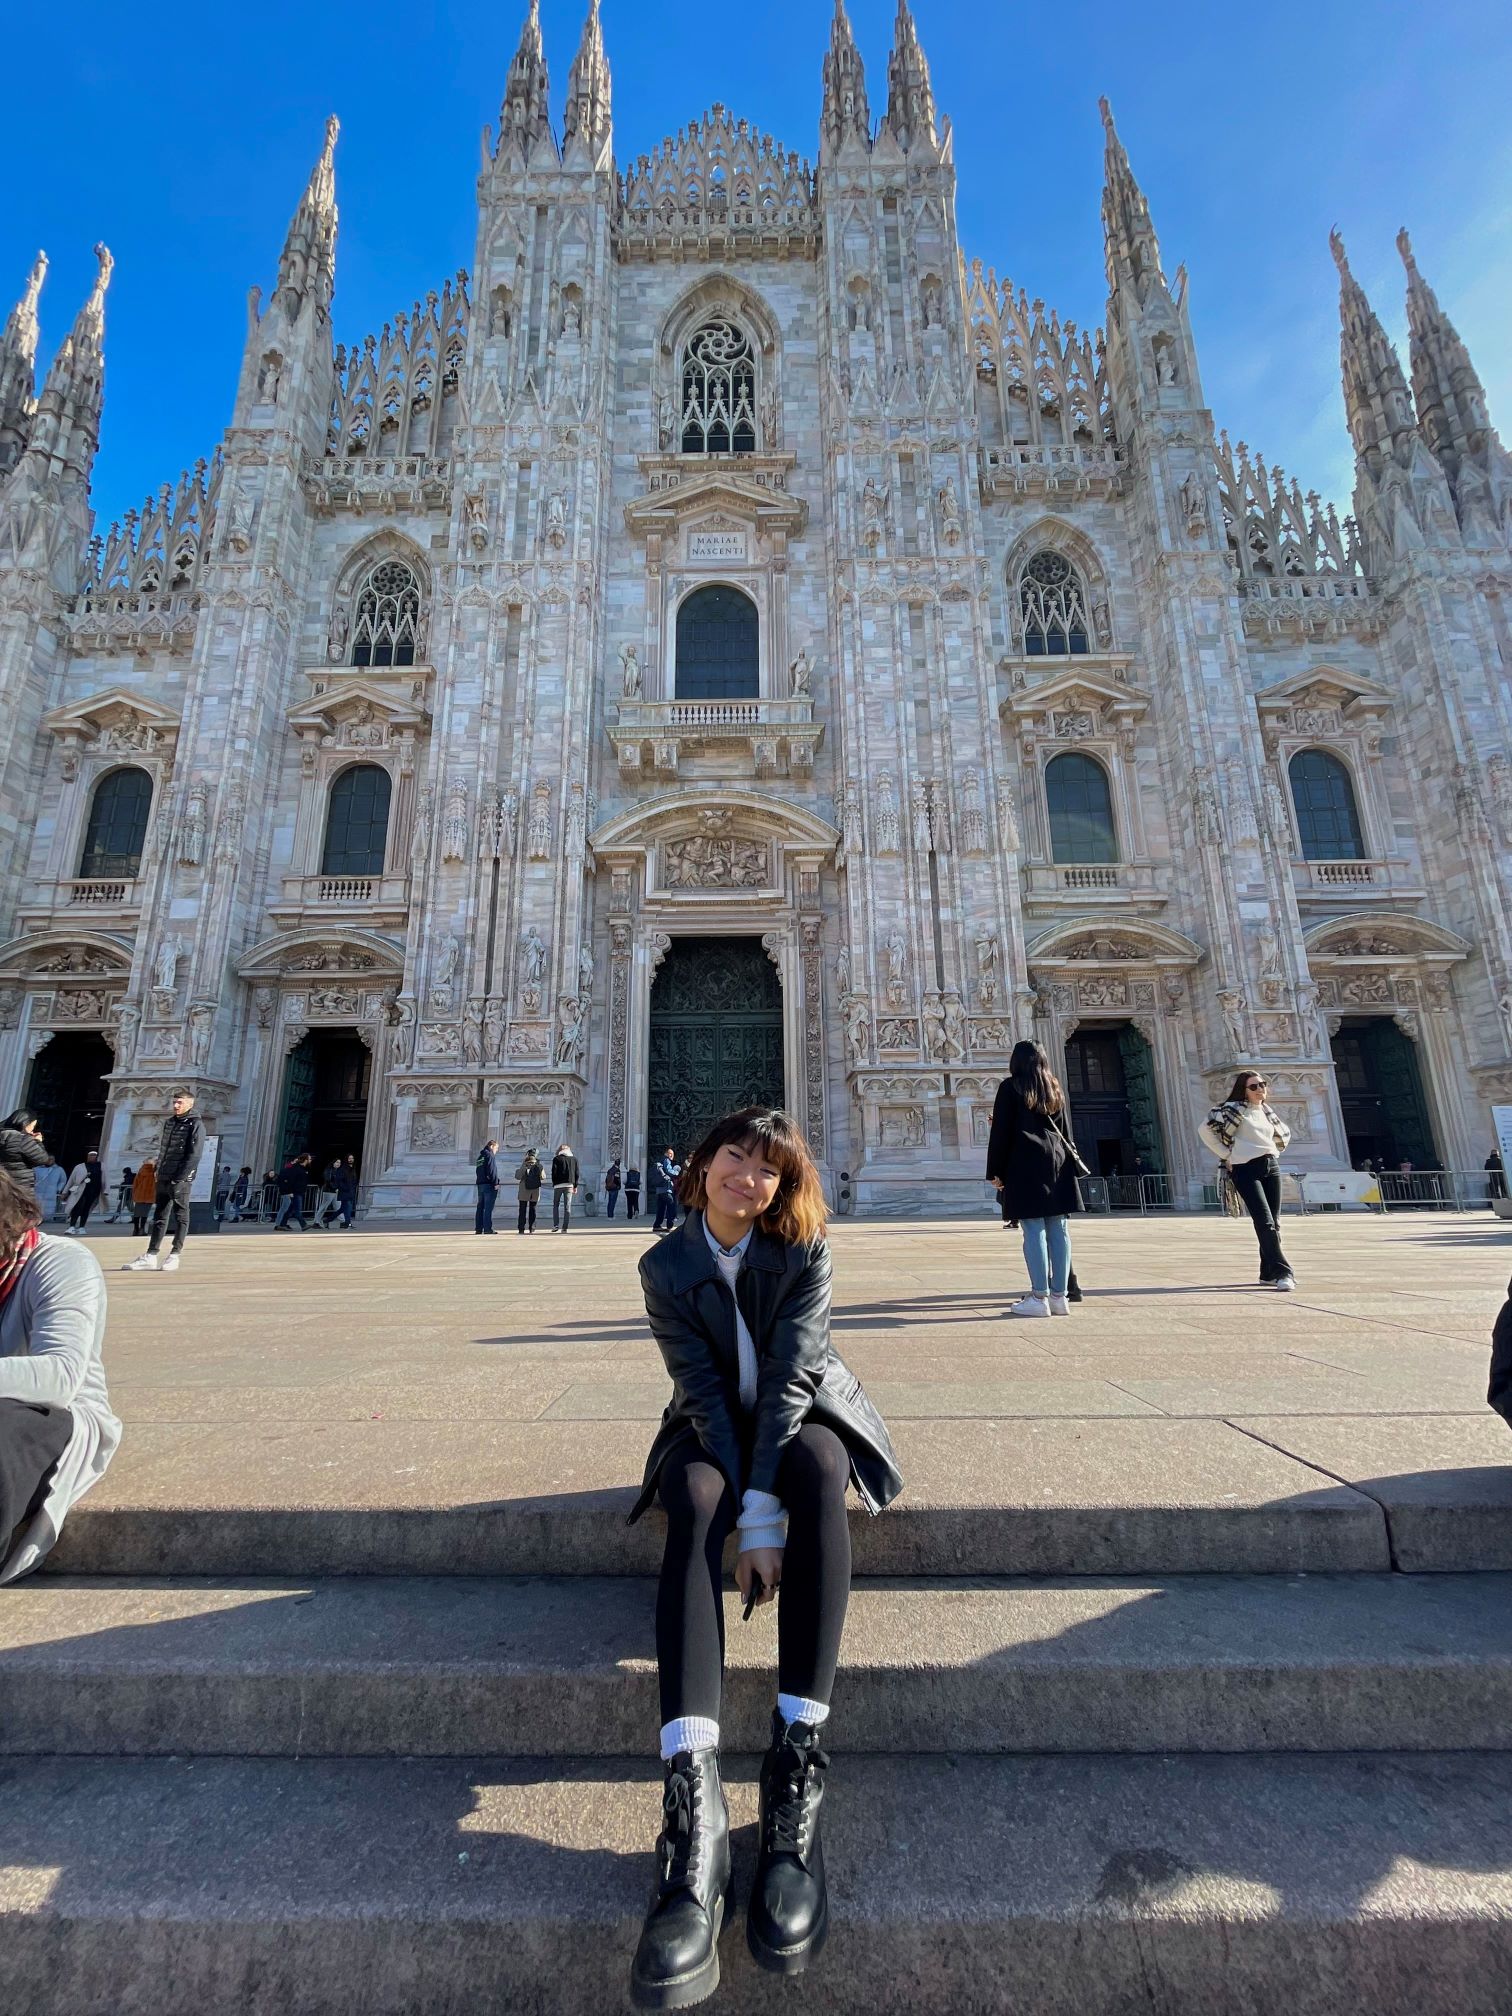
1328	820
1081	811
718	648
386	626
1053	605
117	830
356	840
719	392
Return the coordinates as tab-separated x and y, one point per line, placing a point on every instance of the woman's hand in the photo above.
997	1182
765	1562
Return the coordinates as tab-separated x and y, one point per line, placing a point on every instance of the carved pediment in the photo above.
1322	689
116	719
361	710
314	952
1095	698
1385	935
1116	941
53	955
742	490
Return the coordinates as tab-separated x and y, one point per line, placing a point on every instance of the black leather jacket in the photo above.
785	1298
179	1151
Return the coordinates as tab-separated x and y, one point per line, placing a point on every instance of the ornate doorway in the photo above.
326	1091
68	1093
1381	1094
716	1039
1110	1082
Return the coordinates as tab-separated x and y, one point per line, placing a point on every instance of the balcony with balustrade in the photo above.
1050	469
1135	886
101	901
1331	885
748	738
372	900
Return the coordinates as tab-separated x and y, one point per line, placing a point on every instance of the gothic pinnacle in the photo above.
66	430
910	96
587	115
18	368
525	114
307	268
1376	400
1129	236
1446	388
845	106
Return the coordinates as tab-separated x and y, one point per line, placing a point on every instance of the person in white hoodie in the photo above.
1249	1139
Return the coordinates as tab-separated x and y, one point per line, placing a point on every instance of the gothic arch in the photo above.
1055	535
1135	940
271	958
27	954
373	551
720	294
1396	933
641	825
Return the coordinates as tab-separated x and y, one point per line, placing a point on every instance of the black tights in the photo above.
816	1565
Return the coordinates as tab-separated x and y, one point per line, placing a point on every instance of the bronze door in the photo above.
716	1039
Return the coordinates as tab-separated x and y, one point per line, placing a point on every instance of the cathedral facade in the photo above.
731	645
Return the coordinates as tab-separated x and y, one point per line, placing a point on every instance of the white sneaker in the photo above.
169	1264
1286	1285
73	1232
1031	1305
1059	1306
145	1263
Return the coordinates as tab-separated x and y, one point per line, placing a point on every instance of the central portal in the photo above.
716	1039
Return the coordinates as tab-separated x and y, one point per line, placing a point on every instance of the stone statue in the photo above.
569	1032
585	972
630	668
769	417
843	971
857	1028
476	506
850	819
201	1035
934	1027
886	831
934	304
919	807
572	318
666	421
897	967
1270	952
1231	1005
799	674
446	961
1165	365
873	506
950	514
987	952
532	957
421	838
128	1022
166	964
955	1029
472	1033
556	519
493	1031
1194	504
196	822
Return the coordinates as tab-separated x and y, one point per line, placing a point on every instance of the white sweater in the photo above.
1257	1135
52	1326
762	1522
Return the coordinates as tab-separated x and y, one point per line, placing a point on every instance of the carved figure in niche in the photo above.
1165	364
196	819
538	834
1008	823
1208	819
585	972
493	1031
987	953
919	811
1231	1006
769	417
365	727
873	508
857	1028
455	826
1194	504
955	1029
499	316
939	815
934	304
666	421
269	379
577	834
800	672
1102	623
1270	952
850	819
128	1023
556	519
631	672
201	1035
401	1016
263	1004
950	514
475	504
887	830
1504	1010
165	963
509	821
532	957
843	971
490	829
897	967
446	960
238	516
569	1032
572	317
934	1027
861	310
472	1033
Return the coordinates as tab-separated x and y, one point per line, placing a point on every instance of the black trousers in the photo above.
174	1198
79	1215
31	1441
528	1209
666	1210
1259	1185
632	1203
816	1568
488	1196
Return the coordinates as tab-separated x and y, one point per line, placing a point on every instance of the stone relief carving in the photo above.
80	1005
901	1126
954	1030
934	1026
850	820
706	862
886	833
988	956
857	1027
950	515
433	1133
898	1032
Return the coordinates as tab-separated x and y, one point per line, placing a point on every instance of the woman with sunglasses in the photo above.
1249	1140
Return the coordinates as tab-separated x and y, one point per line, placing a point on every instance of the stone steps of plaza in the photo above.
960	1885
451	1667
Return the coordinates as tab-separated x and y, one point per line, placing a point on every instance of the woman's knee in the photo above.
693	1495
815	1467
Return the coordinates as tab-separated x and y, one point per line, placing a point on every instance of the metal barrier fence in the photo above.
1143	1194
1437	1190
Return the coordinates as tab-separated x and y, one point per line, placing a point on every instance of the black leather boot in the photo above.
788	1920
677	1961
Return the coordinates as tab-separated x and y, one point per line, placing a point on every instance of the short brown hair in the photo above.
797	1213
19	1211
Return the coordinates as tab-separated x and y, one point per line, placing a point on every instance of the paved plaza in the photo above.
339	1696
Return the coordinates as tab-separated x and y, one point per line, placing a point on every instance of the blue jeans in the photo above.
1047	1252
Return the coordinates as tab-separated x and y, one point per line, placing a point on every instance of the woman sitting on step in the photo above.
57	1433
765	1430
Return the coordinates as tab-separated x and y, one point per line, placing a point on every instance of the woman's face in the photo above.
740	1184
1254	1091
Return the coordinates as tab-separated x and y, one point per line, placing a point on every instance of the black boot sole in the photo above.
687	1989
788	1959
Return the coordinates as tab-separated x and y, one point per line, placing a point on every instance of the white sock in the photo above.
688	1732
794	1708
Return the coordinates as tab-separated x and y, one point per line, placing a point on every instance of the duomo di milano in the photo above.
732	645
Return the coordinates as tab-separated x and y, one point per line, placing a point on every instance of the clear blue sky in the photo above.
184	144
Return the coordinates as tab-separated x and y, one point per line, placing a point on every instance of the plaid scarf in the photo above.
10	1273
1224	1120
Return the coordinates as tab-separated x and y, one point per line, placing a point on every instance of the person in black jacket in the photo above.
564	1187
528	1179
1033	1166
22	1152
293	1183
486	1175
765	1430
1499	1395
179	1152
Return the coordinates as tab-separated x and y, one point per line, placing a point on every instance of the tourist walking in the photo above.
22	1150
123	1196
57	1433
241	1193
143	1190
83	1190
765	1429
1496	1174
293	1182
346	1191
178	1159
224	1177
486	1176
612	1183
664	1174
564	1187
528	1179
1249	1140
1033	1165
632	1192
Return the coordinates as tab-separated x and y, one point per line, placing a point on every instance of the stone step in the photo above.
982	1497
458	1666
1083	1886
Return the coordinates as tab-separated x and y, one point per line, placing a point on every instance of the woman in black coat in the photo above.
765	1430
21	1151
1032	1164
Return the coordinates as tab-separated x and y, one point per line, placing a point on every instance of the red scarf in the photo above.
10	1273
